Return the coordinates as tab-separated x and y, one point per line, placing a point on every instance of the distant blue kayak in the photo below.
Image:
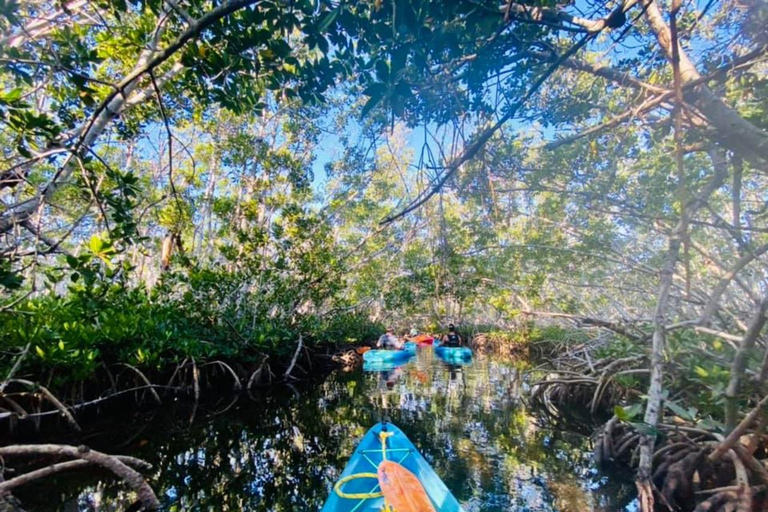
457	355
390	356
366	459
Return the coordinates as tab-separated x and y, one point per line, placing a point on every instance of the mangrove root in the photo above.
82	455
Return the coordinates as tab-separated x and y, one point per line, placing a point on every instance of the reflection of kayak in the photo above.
425	339
453	354
383	366
385	460
390	356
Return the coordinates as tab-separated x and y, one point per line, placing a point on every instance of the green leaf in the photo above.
12	96
687	414
375	89
645	429
23	151
627	413
326	19
10	279
39	351
96	244
382	70
701	372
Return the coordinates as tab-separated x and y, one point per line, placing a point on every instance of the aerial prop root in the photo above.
256	376
43	392
236	384
685	475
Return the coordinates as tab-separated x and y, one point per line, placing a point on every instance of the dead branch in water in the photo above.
52	399
59	467
130	476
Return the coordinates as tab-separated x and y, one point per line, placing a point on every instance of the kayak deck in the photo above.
457	354
366	459
382	356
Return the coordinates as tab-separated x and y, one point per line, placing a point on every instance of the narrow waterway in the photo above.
284	450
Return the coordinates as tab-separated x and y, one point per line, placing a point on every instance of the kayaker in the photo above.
452	339
414	332
389	341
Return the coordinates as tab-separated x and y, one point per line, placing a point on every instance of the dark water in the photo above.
284	450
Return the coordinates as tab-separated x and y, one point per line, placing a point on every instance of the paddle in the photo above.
402	490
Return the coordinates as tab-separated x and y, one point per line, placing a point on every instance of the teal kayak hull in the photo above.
366	459
454	354
390	356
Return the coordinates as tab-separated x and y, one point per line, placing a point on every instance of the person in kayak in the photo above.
389	341
452	339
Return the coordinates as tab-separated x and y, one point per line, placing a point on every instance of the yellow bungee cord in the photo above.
365	495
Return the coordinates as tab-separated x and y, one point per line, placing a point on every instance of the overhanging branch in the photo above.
479	142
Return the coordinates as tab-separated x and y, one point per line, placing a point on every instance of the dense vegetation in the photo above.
219	180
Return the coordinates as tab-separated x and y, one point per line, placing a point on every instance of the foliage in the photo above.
215	178
72	336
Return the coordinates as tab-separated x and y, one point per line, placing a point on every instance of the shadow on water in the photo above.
284	451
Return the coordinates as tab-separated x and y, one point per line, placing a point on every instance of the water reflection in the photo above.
284	452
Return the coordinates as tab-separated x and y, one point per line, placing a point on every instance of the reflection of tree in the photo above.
285	452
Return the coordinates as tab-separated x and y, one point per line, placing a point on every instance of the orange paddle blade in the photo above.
363	350
402	489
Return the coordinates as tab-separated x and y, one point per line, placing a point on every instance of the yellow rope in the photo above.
383	437
365	495
356	496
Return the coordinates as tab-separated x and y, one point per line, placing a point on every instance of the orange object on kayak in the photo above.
362	350
402	490
424	338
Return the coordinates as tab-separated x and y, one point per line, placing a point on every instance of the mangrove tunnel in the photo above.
384	255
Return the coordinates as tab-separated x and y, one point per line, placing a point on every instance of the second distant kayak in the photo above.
454	354
424	339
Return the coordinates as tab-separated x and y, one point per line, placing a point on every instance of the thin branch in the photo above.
170	144
480	141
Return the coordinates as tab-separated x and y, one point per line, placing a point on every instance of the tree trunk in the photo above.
655	392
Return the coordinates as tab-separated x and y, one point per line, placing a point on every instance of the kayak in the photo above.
425	339
454	354
386	461
390	356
